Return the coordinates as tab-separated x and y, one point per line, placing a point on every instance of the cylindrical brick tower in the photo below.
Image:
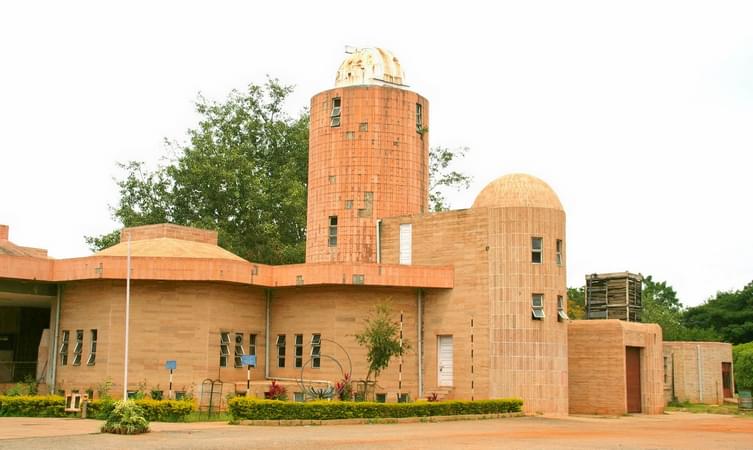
368	157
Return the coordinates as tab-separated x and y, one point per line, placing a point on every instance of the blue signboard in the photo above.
248	360
170	364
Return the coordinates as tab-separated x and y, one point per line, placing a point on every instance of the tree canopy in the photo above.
730	314
244	173
661	306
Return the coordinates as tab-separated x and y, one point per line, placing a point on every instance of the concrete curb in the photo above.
385	420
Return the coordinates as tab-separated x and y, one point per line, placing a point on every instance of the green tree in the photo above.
243	173
381	338
742	358
576	303
730	314
660	305
442	177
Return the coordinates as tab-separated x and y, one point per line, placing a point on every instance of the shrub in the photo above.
126	418
742	356
32	406
153	410
276	392
26	387
246	408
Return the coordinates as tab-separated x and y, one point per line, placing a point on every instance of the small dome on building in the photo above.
517	190
370	66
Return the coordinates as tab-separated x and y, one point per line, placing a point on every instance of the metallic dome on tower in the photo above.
370	66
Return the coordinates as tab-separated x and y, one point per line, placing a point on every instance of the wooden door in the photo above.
727	379
444	360
633	379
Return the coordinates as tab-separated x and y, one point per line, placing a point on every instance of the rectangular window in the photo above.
78	348
299	350
667	369
92	348
561	314
281	350
419	118
559	252
537	306
406	242
64	348
316	350
238	349
224	348
335	116
537	250
252	346
332	231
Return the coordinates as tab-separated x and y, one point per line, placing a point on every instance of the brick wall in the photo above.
689	384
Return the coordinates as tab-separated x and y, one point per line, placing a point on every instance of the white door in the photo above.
406	242
444	360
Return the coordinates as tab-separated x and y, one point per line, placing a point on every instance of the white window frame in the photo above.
332	231
537	306
561	314
64	347
92	348
559	251
298	351
336	112
238	350
252	346
78	348
537	251
406	243
224	347
316	350
280	350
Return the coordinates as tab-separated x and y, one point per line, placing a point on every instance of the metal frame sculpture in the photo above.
326	393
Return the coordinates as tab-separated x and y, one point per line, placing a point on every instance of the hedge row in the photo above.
154	410
243	408
54	406
32	406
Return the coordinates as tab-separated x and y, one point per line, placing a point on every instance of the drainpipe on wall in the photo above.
700	374
54	349
420	339
379	241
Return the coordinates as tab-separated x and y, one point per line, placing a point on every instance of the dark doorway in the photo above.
633	379
727	379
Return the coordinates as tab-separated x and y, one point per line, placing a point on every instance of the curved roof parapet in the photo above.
370	66
517	190
168	240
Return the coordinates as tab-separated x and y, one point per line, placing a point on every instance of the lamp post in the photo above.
127	318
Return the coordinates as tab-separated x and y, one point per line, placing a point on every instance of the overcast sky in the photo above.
638	114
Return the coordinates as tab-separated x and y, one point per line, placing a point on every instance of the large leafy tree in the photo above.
730	314
244	173
576	303
662	306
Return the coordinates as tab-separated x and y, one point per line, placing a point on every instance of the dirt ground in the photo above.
674	430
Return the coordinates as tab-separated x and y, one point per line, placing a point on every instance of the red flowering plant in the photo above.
276	392
344	388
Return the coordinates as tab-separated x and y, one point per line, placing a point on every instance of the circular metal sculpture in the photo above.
309	387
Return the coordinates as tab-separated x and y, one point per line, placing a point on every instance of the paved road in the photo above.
675	430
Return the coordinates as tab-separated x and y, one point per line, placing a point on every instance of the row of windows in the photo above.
78	347
336	115
238	349
537	307
537	251
315	353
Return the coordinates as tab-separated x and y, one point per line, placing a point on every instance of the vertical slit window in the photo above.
238	349
316	350
78	348
332	231
561	314
559	252
224	348
299	350
92	348
537	306
281	350
419	118
252	346
537	250
64	348
335	115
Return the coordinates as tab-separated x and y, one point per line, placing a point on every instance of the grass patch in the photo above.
727	408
